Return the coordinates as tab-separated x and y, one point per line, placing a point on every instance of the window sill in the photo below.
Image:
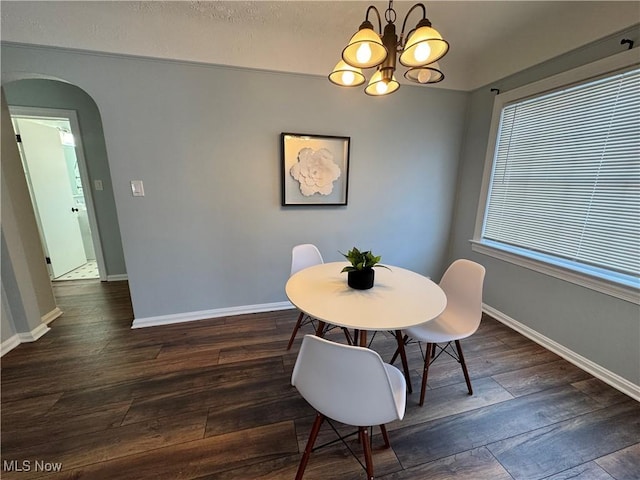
623	292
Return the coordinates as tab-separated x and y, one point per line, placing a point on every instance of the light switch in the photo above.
97	184
137	188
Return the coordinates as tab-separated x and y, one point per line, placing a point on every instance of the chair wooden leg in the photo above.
403	356
464	367
295	330
425	372
368	459
307	451
321	328
385	436
395	355
347	336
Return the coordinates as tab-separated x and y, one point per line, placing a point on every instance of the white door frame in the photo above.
87	186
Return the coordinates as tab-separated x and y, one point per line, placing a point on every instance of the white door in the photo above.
49	181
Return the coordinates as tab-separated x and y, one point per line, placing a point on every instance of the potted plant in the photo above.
360	273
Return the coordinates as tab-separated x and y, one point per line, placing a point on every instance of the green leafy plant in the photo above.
361	260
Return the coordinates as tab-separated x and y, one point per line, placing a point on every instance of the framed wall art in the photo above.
315	169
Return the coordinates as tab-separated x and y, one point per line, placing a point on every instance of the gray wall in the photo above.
53	94
26	290
210	232
7	323
599	327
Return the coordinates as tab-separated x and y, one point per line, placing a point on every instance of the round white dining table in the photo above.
398	299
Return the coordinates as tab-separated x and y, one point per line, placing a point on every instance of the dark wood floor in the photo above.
213	400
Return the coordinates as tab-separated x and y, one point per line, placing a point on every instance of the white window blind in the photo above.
565	184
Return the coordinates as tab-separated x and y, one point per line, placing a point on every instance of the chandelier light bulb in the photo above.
423	50
345	75
365	49
428	74
424	75
381	87
364	53
348	78
424	46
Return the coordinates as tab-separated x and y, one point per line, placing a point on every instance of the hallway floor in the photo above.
84	272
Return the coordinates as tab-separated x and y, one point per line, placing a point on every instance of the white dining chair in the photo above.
303	256
351	385
462	282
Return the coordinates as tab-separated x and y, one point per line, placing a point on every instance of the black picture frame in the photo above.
315	169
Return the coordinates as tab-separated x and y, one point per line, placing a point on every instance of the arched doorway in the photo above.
54	100
28	299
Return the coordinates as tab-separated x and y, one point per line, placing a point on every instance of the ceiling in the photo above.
489	40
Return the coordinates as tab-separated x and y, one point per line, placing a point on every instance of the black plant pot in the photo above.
361	279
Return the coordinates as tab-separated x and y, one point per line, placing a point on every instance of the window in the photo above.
563	192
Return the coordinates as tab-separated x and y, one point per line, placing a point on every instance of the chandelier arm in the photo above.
406	17
372	7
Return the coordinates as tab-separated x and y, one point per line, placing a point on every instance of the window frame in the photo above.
618	63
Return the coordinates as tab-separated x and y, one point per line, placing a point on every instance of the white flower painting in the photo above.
316	171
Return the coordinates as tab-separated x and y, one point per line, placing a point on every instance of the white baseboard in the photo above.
51	316
9	344
117	278
610	378
34	334
205	314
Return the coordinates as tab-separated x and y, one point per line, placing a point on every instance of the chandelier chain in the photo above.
389	12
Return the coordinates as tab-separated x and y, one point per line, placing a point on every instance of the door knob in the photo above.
74	209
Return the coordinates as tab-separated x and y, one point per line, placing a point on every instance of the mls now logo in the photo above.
30	466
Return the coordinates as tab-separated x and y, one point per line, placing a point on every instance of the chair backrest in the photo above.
346	383
303	256
462	283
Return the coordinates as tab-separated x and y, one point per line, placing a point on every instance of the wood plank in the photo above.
39	367
473	464
600	391
17	437
333	463
241	353
86	449
584	471
540	377
22	411
451	400
545	451
457	433
185	352
91	400
447	372
252	413
195	459
93	372
624	463
213	396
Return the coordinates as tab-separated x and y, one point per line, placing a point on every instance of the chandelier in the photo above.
419	51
